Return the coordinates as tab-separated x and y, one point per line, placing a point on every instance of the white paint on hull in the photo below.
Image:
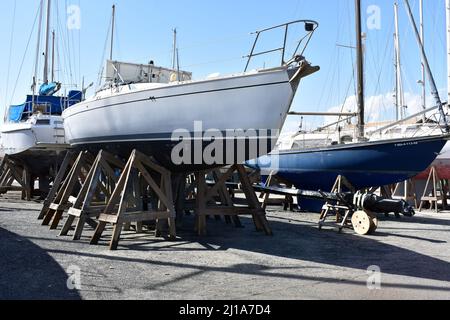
259	100
39	132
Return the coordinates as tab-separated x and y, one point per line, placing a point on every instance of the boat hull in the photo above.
441	164
41	133
43	163
364	165
40	144
251	107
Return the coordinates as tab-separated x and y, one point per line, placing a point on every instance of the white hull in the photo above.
151	113
39	133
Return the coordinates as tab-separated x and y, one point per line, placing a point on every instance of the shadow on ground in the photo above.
27	272
302	242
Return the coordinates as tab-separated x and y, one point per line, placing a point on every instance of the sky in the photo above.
213	36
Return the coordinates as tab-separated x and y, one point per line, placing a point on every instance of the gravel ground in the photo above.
298	262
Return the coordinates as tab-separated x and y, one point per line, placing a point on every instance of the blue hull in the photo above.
364	165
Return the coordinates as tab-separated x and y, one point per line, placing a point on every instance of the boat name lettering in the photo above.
407	144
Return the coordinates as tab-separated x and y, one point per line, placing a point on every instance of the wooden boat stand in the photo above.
94	194
139	178
12	171
287	202
434	192
66	182
362	222
409	192
216	201
342	213
111	192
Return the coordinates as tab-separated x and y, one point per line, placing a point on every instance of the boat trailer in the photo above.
351	209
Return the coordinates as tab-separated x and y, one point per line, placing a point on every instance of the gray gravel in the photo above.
298	262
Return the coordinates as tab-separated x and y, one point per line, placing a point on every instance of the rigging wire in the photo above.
101	68
24	56
11	41
65	44
380	71
74	80
68	45
79	51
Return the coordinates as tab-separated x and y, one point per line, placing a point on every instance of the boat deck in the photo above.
299	262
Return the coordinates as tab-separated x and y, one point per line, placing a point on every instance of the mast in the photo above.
399	97
360	71
174	59
47	42
434	90
112	32
448	48
423	80
53	55
38	48
178	66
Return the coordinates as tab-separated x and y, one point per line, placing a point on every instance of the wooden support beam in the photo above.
128	192
13	170
86	206
62	174
341	213
61	201
216	201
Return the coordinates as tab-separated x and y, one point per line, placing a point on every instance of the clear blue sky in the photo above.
214	35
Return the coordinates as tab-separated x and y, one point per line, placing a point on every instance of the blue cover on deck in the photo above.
74	97
15	113
55	105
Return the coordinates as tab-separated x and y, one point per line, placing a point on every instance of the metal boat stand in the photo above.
362	222
12	171
66	185
140	178
94	194
433	192
214	200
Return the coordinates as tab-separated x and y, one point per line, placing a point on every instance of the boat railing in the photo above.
67	103
433	122
44	108
310	28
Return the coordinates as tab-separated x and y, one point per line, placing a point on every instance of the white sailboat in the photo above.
148	114
33	132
